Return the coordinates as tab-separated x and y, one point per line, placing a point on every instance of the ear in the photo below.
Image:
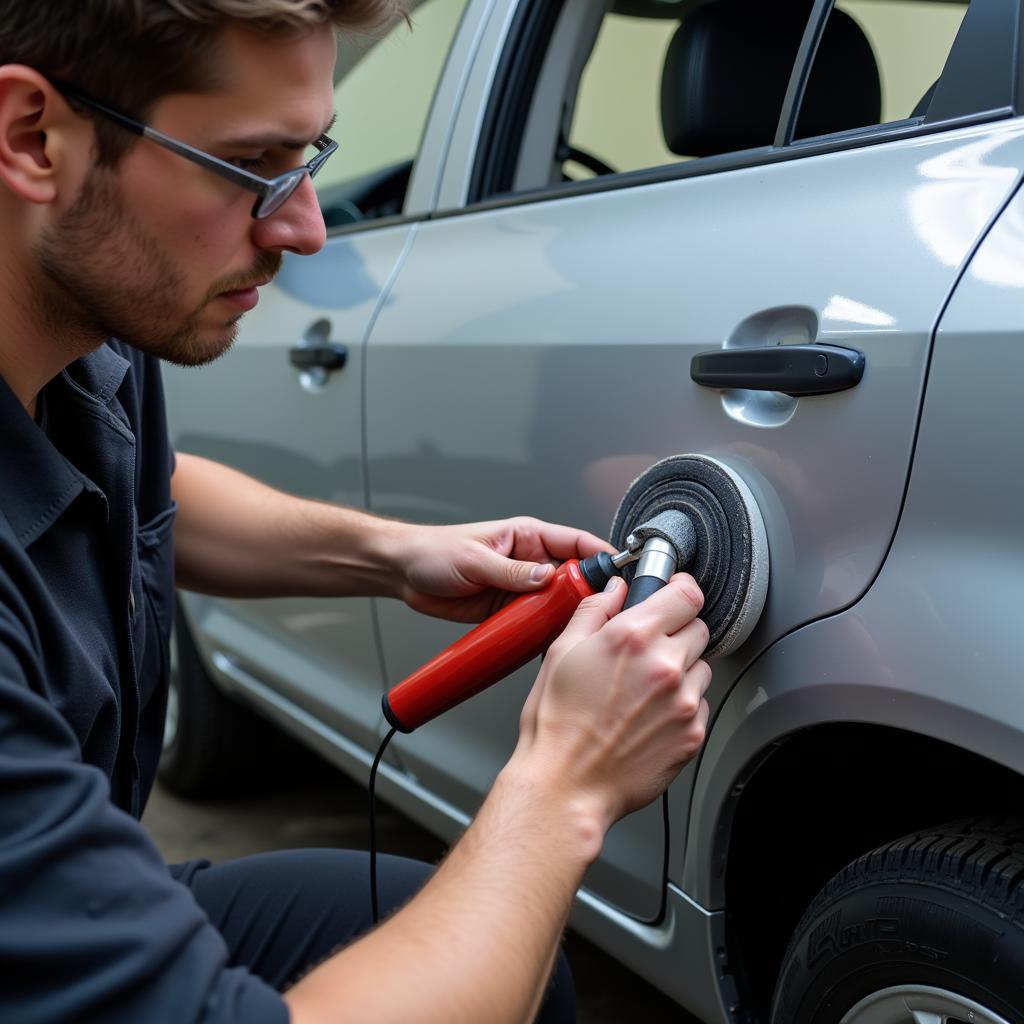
36	125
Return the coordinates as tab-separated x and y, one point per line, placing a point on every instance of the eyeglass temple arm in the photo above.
241	177
252	182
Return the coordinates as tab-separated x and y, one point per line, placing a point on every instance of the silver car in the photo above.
543	211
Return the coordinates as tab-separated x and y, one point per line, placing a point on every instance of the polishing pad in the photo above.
729	558
674	527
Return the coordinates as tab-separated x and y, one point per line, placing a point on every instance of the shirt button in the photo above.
131	604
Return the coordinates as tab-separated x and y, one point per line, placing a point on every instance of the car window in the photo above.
629	85
903	44
617	117
653	82
382	102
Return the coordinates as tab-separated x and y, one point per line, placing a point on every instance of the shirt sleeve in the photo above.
92	926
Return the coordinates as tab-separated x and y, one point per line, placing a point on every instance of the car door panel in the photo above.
545	348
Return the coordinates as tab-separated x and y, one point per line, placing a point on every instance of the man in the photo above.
108	235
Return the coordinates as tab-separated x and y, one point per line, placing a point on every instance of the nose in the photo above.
297	226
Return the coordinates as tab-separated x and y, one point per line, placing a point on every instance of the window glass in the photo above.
618	108
658	82
907	43
382	102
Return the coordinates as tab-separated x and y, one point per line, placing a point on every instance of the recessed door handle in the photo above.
795	370
329	356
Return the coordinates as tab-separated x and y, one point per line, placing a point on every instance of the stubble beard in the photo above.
104	277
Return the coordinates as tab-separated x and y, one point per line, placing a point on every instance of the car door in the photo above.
534	355
286	405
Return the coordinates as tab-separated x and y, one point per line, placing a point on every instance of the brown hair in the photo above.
130	53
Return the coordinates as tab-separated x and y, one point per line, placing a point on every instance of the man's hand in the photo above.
618	707
466	573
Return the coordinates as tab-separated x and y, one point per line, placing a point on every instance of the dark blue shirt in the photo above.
92	925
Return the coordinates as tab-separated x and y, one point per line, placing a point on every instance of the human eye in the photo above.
252	164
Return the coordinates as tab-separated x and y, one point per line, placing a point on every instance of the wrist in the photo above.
387	544
576	820
347	552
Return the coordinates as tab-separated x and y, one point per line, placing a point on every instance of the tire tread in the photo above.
981	859
976	859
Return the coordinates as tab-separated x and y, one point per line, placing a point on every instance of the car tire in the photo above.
930	927
212	746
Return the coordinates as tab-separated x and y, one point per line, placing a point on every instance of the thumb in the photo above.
510	574
594	611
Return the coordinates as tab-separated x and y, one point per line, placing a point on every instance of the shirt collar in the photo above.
37	483
99	374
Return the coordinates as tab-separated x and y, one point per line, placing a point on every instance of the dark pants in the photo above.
283	913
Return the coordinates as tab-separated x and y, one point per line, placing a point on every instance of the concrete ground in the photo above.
328	809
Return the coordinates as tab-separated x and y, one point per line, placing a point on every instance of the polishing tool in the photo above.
687	512
729	558
500	644
669	542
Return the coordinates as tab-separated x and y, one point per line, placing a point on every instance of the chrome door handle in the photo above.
794	370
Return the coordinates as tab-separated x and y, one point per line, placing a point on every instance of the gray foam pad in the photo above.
674	527
730	563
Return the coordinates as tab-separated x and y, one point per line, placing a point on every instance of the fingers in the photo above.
583	544
693	685
539	541
693	639
495	570
593	613
693	735
665	612
518	555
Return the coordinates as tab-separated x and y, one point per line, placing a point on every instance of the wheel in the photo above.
211	745
925	930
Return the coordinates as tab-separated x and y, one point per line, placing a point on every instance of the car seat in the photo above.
728	66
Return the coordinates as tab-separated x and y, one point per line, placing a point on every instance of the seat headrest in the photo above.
728	66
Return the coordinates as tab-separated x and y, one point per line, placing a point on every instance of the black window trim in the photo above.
802	65
373	223
858	138
504	121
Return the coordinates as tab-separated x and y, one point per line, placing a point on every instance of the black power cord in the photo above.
658	918
374	908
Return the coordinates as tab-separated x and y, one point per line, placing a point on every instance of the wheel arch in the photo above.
867	784
818	754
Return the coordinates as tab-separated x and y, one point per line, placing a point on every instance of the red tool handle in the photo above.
489	652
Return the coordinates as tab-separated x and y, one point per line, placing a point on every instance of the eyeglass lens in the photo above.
268	204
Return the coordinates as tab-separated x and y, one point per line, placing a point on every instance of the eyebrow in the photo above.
275	141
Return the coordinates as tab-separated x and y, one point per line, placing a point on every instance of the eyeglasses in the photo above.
270	192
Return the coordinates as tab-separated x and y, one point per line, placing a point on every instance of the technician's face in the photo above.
165	254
